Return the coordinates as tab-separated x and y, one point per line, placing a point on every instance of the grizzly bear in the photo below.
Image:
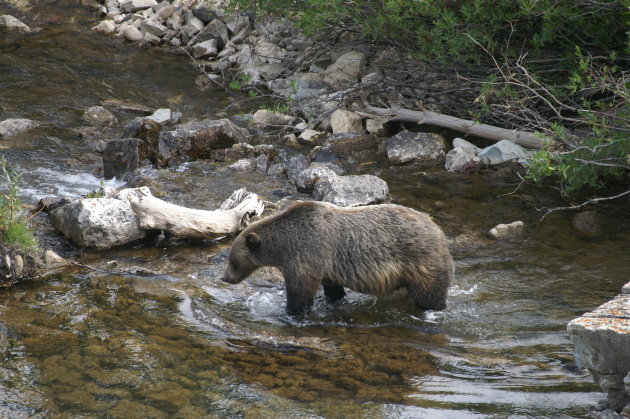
373	249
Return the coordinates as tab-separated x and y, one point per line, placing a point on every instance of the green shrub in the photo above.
14	230
442	29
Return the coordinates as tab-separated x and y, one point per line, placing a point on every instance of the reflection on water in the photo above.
180	343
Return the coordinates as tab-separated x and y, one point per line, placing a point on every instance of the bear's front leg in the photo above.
300	294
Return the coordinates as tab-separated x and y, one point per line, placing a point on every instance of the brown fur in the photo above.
375	250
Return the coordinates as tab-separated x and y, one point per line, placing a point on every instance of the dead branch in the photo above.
574	207
523	138
187	223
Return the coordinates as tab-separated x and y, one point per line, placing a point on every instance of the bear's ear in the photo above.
252	241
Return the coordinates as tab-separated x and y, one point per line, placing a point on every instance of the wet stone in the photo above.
502	231
407	146
351	191
122	156
98	115
10	23
15	126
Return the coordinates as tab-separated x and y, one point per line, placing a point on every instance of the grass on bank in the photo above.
14	229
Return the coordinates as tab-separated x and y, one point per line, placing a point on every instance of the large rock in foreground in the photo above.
99	223
602	344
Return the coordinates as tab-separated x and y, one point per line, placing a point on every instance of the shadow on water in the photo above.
172	340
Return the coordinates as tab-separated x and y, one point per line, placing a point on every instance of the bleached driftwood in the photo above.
523	138
187	223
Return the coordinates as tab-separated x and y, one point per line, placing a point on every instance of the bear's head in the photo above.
242	261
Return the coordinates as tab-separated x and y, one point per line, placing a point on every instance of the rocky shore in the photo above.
319	150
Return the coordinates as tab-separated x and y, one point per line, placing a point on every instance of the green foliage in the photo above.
14	230
588	164
442	29
98	193
282	108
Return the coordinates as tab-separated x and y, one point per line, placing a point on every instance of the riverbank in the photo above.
149	327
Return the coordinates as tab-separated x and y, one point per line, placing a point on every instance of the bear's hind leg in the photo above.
334	292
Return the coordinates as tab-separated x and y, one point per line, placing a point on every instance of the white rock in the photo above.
106	26
269	52
345	122
407	146
460	142
165	12
162	116
205	49
459	159
265	117
98	115
375	127
151	39
99	223
236	23
602	344
352	191
501	231
15	126
193	26
311	136
52	258
244	165
308	177
502	152
133	34
346	69
9	23
153	27
131	6
175	21
18	265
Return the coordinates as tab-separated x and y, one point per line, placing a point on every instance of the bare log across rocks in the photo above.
187	223
523	138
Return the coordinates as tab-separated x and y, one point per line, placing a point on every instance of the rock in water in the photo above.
352	191
9	23
407	146
14	126
98	223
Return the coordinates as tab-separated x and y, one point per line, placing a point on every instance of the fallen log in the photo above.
233	215
523	138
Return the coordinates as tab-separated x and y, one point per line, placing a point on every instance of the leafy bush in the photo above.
14	230
442	29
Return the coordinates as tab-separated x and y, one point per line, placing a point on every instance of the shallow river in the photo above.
91	342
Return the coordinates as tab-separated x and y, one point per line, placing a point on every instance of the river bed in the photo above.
174	341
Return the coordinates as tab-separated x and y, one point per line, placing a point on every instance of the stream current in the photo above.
180	343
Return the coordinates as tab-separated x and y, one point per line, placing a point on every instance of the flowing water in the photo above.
174	341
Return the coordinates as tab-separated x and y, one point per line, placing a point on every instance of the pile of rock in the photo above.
222	40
